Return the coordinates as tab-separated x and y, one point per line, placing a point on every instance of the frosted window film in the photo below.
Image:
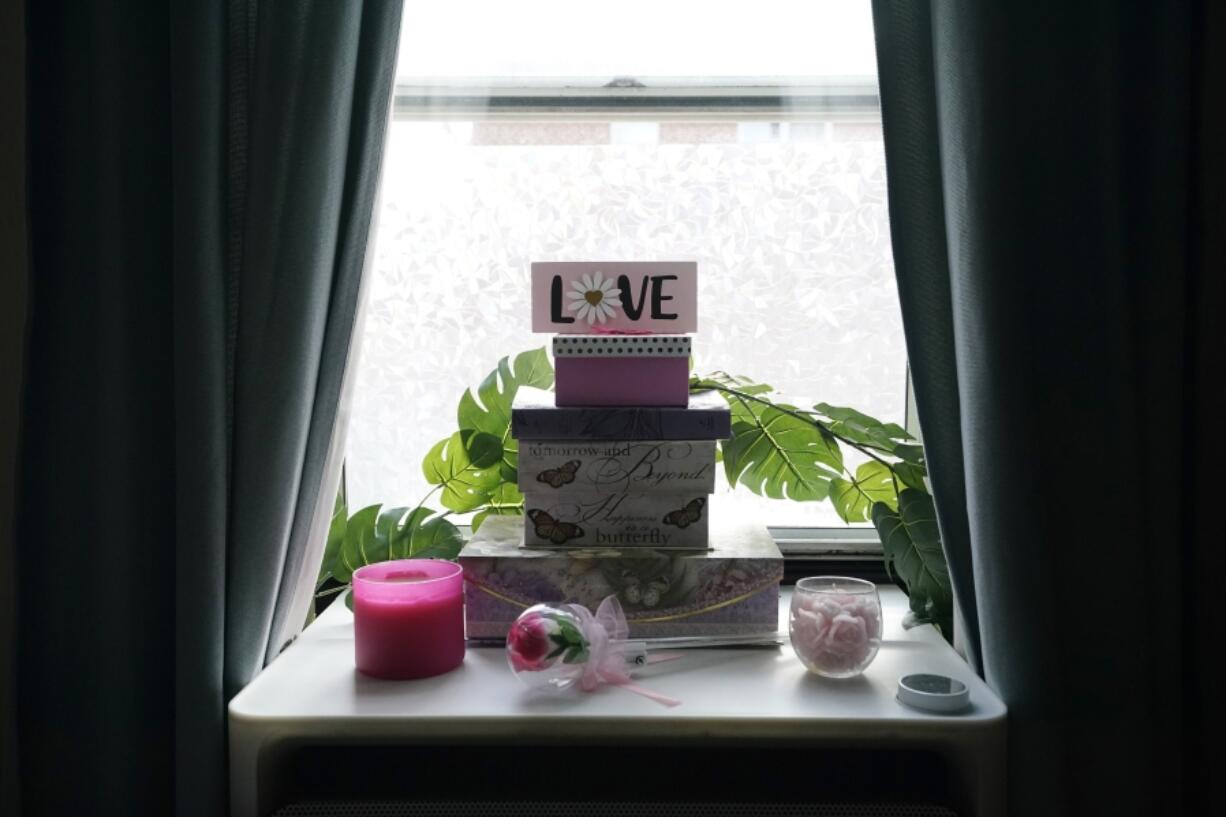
788	226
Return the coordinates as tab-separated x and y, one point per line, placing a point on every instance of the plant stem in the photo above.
431	493
851	478
342	588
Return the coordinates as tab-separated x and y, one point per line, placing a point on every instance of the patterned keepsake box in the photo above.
732	589
600	466
651	519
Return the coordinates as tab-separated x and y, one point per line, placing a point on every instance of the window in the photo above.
642	131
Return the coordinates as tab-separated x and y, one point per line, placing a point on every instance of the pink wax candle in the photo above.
408	618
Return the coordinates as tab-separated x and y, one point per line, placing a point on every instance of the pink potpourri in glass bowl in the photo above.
835	625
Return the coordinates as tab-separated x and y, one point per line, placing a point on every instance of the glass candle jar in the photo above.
408	618
835	625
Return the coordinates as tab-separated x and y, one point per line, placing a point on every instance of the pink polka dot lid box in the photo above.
620	370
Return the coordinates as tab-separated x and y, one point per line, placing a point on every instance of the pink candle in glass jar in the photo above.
408	618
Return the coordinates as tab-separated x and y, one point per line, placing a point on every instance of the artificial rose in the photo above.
529	642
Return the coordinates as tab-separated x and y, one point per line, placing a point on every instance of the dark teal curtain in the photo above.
1056	201
201	185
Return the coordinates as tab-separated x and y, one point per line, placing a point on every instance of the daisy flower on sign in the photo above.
593	298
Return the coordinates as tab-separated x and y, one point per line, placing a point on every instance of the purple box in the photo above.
535	417
621	370
732	589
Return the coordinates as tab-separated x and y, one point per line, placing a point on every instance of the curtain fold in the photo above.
1057	220
203	183
370	94
921	259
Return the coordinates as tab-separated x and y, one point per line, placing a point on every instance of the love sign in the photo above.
581	297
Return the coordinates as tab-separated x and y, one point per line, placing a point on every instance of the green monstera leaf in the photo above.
912	545
386	525
774	450
361	545
779	455
423	535
465	467
490	410
736	382
911	475
374	535
854	499
911	454
862	429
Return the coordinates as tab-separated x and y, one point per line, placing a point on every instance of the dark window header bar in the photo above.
473	99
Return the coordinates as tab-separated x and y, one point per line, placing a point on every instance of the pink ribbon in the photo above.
606	633
604	330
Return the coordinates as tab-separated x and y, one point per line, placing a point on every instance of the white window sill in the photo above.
312	694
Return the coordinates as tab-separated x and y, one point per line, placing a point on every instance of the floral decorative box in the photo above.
568	467
732	589
619	370
534	416
652	519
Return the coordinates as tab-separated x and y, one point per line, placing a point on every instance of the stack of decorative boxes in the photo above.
617	467
616	476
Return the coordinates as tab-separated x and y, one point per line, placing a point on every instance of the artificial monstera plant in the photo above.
776	450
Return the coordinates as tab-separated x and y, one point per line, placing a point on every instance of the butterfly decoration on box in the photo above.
562	475
684	517
552	529
653	579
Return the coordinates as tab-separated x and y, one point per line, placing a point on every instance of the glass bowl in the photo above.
835	625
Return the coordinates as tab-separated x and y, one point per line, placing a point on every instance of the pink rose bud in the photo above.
529	642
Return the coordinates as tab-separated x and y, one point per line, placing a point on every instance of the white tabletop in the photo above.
313	689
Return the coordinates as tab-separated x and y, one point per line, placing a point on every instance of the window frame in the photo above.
661	99
857	550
